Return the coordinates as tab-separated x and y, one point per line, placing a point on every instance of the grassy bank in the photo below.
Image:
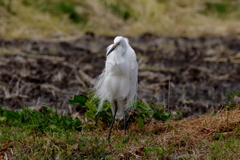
46	135
57	18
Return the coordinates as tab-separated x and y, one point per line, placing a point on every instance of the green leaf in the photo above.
237	93
67	122
151	105
77	123
49	120
229	96
3	119
1	110
229	145
100	124
11	114
166	118
106	106
146	111
186	136
160	114
53	127
90	115
78	99
180	115
153	149
170	127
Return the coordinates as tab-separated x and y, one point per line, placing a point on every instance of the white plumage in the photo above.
118	81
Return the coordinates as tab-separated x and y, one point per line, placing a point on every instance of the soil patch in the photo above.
198	71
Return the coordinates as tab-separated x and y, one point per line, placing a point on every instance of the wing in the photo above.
126	39
133	77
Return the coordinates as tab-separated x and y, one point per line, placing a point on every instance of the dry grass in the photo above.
171	18
27	22
195	137
193	130
204	137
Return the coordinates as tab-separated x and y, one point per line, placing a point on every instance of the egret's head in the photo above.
117	41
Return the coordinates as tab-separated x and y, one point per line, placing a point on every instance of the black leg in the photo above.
125	128
115	112
125	123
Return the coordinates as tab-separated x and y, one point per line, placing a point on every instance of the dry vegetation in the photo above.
43	19
191	138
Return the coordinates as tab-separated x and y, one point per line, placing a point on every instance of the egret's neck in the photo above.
124	46
117	56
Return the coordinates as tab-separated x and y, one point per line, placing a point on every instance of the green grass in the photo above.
225	148
44	134
46	119
64	144
70	144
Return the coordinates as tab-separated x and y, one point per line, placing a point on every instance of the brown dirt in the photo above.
200	70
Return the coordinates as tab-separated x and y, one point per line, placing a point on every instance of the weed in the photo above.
39	121
225	148
179	115
142	111
218	136
231	96
91	104
161	114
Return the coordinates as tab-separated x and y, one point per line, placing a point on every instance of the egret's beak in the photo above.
113	47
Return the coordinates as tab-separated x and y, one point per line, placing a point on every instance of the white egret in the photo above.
118	81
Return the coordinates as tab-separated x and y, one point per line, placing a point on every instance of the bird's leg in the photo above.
125	123
115	112
125	120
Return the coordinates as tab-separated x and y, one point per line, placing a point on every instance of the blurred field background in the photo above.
44	19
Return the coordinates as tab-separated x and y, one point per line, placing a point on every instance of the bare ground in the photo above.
198	71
